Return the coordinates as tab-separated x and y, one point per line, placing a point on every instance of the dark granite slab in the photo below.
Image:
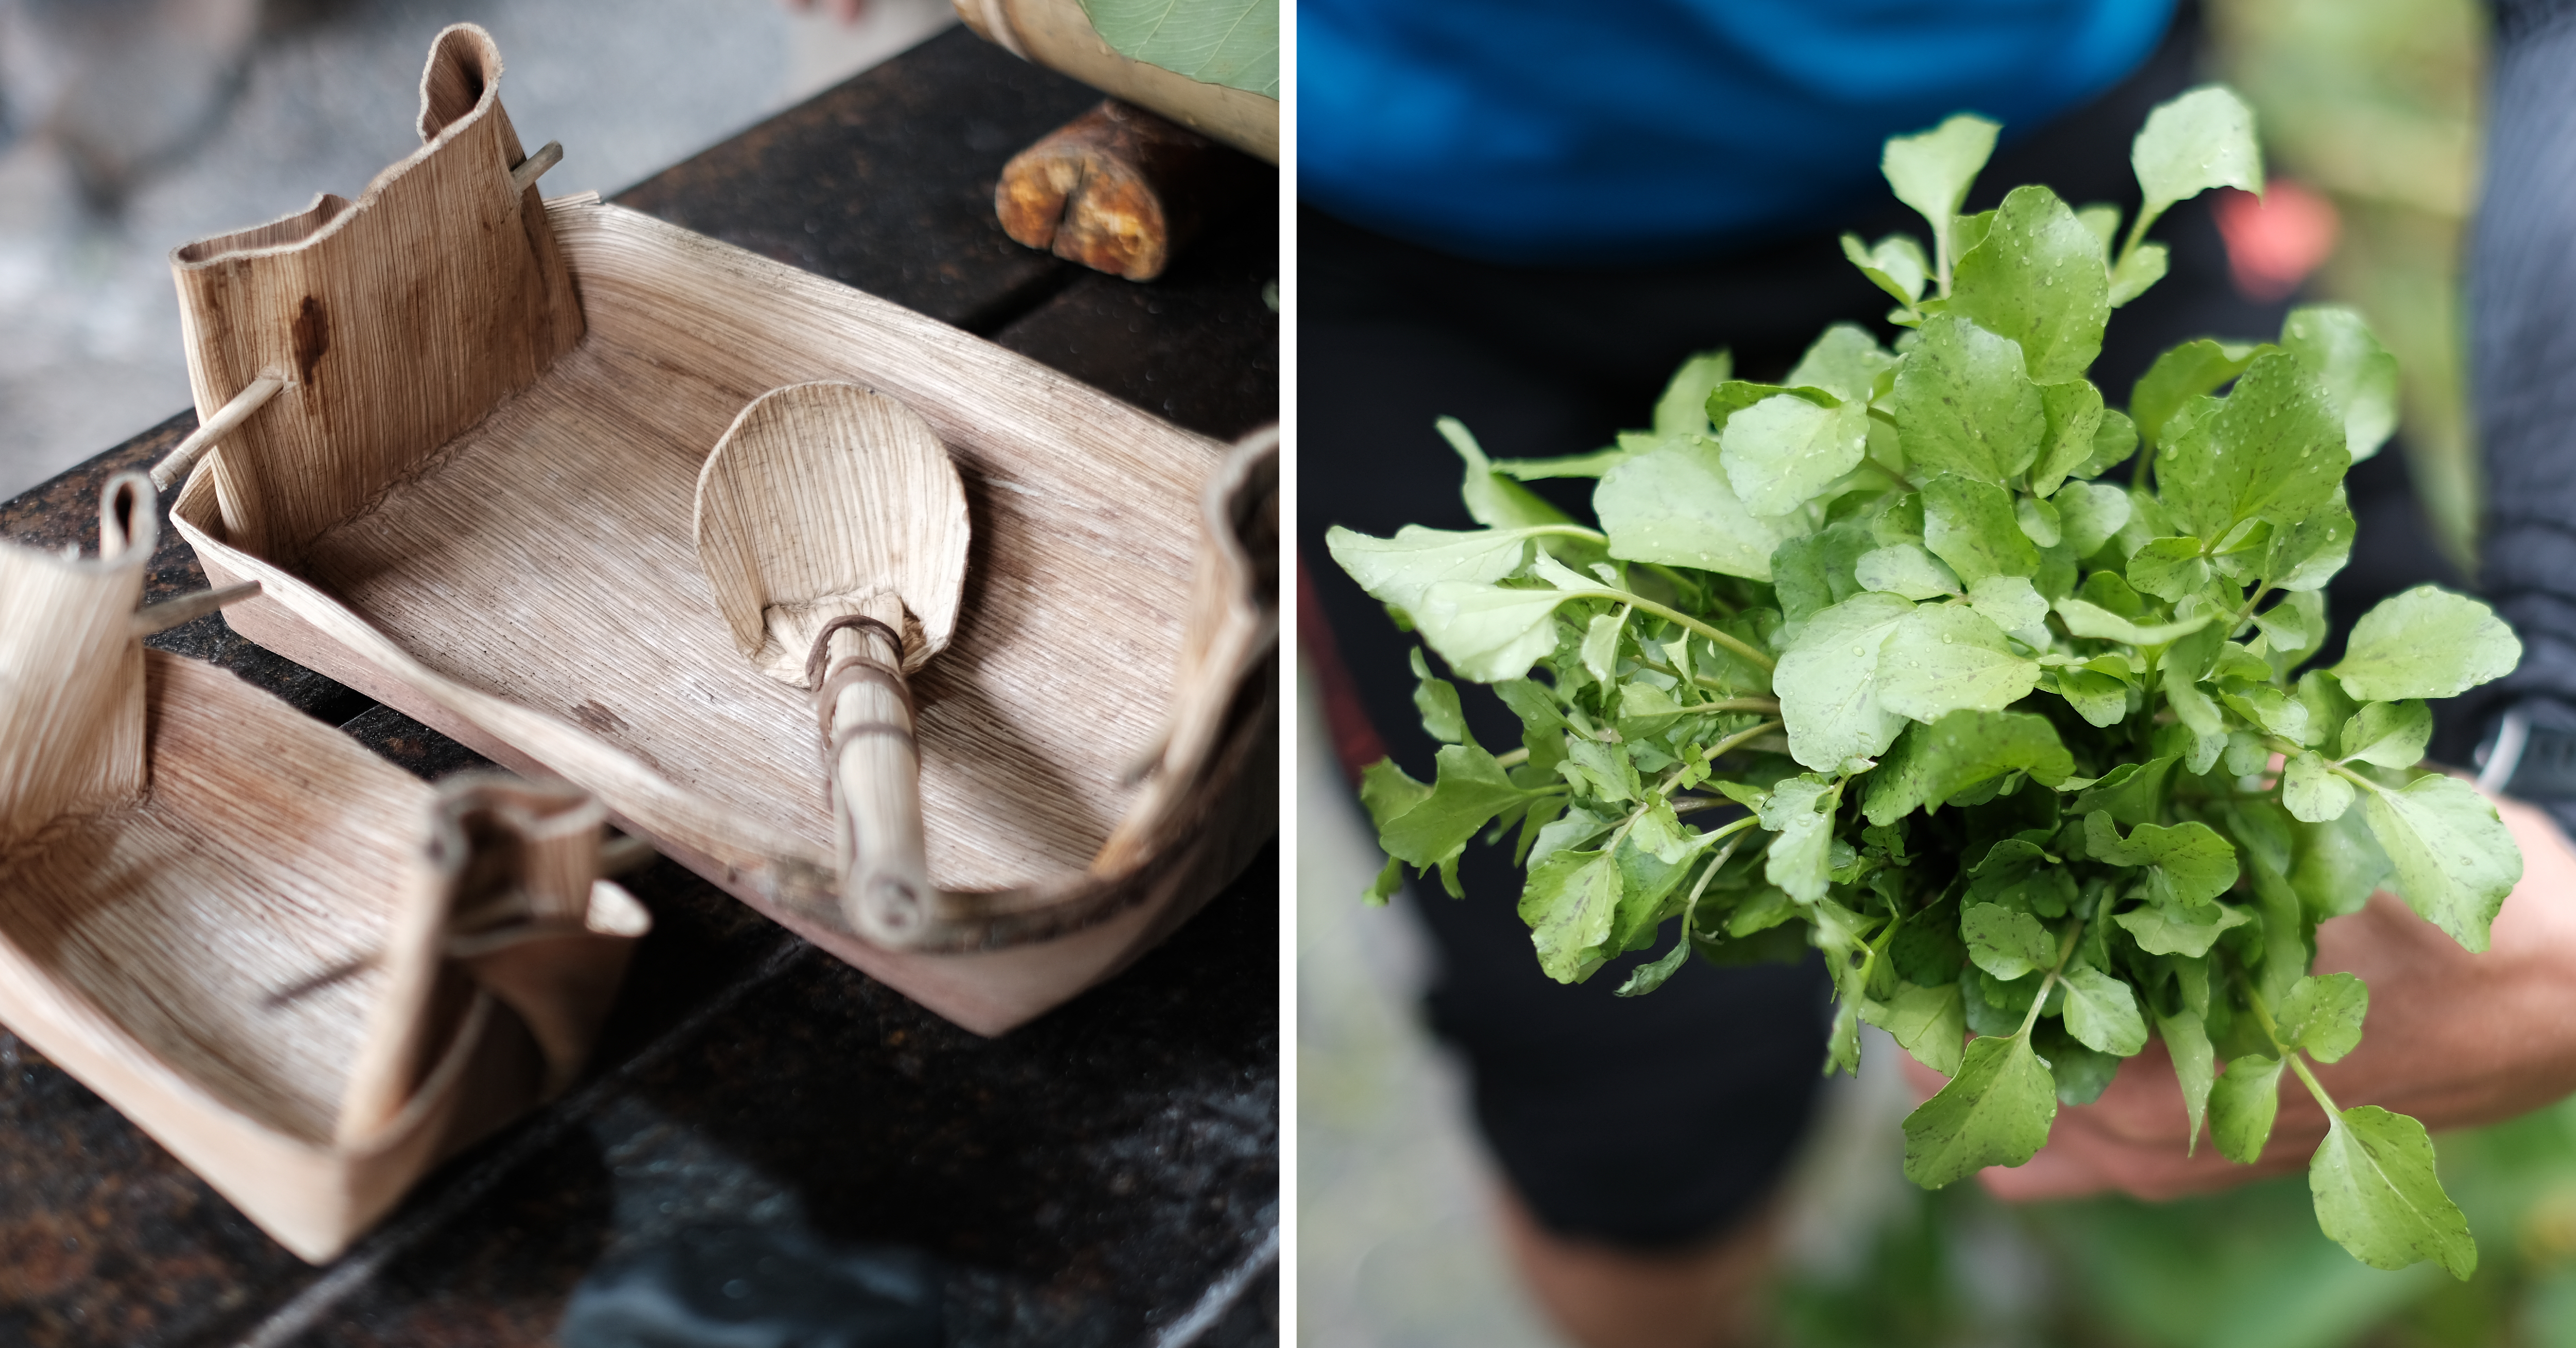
1106	1175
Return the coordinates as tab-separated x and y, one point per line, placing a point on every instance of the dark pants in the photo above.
1658	1121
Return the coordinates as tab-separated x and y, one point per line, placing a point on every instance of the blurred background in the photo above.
128	127
2370	115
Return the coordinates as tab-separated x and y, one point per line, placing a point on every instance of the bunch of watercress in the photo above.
2029	755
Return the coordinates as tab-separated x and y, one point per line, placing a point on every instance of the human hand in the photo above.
2452	1038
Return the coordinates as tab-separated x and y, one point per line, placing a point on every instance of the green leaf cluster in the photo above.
1883	661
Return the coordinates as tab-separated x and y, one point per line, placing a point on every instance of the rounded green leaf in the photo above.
1674	505
2426	642
1828	683
2203	139
1944	658
2378	1197
1784	449
1996	1111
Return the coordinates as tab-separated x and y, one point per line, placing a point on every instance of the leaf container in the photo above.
470	497
308	974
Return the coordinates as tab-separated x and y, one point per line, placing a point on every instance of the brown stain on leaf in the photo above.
312	337
598	718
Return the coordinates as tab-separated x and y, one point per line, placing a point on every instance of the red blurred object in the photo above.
1355	738
2277	240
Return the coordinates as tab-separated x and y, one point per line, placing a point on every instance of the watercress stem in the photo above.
2065	952
1677	616
2297	1060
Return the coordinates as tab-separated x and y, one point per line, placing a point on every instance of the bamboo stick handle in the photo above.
170	613
886	892
528	170
171	470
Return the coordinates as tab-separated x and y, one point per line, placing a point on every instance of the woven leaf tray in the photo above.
470	497
308	974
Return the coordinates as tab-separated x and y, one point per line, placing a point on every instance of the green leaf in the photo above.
2390	734
1675	506
2101	1011
2136	272
1598	463
2242	1106
2264	705
1382	889
2455	859
1470	790
2313	792
2273	450
1386	792
1437	700
2037	278
2164	930
2308	554
1932	171
1935	762
2203	139
2359	375
2074	415
1784	449
2169	568
2088	514
2132	793
1234	43
2086	619
1929	1023
2189	864
1845	362
2194	1067
1896	265
1943	658
2101	699
1488	633
1995	1111
1970	525
1905	569
2081	1073
1646	978
1800	810
2182	374
2426	642
1494	500
2295	626
2112	444
1828	683
1683	408
2005	942
2323	1015
1398	571
2378	1197
1963	404
2337	866
1570	904
1600	651
2329	710
2008	602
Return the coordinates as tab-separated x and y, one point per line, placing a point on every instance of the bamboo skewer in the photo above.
533	167
174	468
170	613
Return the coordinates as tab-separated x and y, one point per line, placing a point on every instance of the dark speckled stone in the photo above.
1107	1175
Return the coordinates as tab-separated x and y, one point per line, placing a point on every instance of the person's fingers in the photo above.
849	11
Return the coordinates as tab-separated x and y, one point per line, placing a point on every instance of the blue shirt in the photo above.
1520	130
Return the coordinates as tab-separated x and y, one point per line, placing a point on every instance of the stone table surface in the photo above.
1105	1175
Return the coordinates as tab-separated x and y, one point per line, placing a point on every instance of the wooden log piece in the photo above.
1118	189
